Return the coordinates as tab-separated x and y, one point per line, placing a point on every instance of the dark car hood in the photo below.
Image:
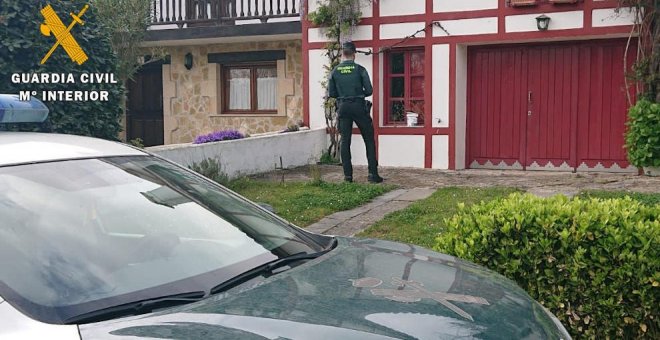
363	289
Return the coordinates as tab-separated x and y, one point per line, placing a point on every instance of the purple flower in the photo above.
218	136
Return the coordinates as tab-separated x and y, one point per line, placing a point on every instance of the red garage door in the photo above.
548	107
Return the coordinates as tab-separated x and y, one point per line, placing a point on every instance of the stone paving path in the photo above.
351	222
416	184
539	182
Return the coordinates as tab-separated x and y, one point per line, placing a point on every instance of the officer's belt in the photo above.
350	99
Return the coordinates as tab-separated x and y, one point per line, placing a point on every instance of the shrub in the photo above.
594	263
137	142
326	158
218	136
211	169
649	198
643	136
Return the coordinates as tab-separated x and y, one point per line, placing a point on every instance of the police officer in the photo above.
350	84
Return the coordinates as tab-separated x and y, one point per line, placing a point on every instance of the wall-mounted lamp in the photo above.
543	22
188	61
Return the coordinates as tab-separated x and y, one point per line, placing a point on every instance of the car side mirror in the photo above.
267	207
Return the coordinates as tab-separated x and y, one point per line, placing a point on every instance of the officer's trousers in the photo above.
349	112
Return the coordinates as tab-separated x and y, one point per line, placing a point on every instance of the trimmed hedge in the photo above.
593	263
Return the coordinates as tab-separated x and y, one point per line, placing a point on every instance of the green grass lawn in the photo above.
303	203
644	198
423	220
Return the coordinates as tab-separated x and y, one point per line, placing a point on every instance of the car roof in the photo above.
31	147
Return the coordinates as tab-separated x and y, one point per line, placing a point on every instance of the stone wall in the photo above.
191	98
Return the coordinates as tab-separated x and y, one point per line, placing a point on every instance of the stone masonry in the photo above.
192	98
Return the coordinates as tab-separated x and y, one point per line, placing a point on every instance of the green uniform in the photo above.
350	84
349	80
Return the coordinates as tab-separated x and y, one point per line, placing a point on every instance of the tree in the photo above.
23	47
127	21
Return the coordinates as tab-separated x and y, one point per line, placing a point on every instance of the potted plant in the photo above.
643	136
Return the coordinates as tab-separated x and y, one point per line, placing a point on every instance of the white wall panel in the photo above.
399	7
467	27
367	62
363	32
608	17
461	105
558	21
440	114
440	152
403	151
317	34
463	5
367	8
358	151
399	31
316	72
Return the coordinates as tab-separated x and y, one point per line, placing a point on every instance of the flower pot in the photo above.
411	119
651	171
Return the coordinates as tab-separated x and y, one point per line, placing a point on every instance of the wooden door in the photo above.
497	107
144	118
603	105
552	107
559	106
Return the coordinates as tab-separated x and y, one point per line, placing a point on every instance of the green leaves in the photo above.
126	23
643	136
23	47
595	263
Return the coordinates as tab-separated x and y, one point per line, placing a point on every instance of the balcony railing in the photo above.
219	12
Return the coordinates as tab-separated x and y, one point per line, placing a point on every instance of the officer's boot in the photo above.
375	178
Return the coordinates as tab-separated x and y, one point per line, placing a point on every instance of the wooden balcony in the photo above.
196	13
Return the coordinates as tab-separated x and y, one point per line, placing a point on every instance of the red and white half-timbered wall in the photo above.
491	89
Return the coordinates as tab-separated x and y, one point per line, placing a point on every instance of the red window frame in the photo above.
408	97
253	87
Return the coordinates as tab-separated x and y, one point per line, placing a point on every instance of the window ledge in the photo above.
252	115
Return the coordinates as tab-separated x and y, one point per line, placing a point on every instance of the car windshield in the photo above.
81	235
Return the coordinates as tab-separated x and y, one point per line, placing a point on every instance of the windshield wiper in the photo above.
266	269
146	306
138	307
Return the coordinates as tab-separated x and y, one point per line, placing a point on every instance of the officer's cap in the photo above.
349	46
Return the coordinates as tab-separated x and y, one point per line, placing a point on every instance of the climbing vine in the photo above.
646	68
642	134
339	18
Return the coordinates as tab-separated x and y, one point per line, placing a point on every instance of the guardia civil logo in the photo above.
62	34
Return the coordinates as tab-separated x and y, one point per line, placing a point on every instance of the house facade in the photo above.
231	64
491	85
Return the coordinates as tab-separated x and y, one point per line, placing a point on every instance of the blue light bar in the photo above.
13	110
